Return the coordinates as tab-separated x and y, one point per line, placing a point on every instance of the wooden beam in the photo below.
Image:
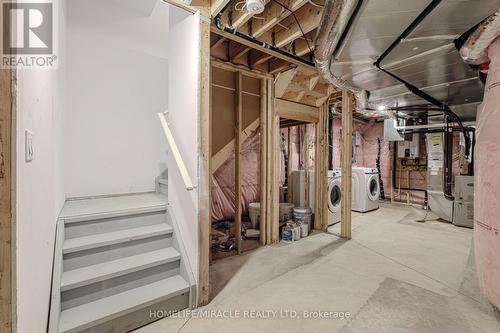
262	58
270	164
278	65
309	17
222	155
274	14
307	164
216	6
6	214
289	164
283	80
204	181
300	96
296	111
234	68
320	101
238	50
240	17
313	80
263	49
303	47
263	162
346	165
275	195
217	43
238	106
321	169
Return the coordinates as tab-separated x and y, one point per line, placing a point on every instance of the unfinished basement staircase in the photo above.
119	264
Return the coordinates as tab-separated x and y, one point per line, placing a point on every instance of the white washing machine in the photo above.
365	189
334	196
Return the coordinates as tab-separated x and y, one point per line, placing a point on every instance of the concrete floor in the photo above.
395	275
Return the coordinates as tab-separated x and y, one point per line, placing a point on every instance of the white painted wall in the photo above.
39	186
96	129
183	106
117	83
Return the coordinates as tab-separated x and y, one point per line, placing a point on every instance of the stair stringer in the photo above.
57	271
186	270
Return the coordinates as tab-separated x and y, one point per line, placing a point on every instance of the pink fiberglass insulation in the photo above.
223	180
487	187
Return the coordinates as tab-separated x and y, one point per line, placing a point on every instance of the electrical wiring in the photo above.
316	4
242	7
297	21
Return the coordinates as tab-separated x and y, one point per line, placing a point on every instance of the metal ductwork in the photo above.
475	49
336	16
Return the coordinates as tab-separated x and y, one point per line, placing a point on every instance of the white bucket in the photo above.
296	231
254	212
286	211
304	230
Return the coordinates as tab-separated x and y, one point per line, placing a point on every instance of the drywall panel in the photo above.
39	184
183	116
117	83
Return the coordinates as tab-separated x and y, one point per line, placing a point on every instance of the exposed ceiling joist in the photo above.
263	49
303	46
274	14
261	59
313	81
238	50
216	6
217	43
309	18
278	65
283	81
240	17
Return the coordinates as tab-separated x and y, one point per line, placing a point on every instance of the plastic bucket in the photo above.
286	211
254	212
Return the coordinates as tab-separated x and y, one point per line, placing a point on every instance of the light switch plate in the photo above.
28	146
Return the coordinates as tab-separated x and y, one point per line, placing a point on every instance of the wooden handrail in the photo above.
176	153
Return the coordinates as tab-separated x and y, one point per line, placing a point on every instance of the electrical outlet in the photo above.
28	146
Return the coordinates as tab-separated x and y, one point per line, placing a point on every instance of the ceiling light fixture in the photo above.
255	6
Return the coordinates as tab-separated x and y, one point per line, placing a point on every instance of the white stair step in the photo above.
95	273
116	237
111	206
105	309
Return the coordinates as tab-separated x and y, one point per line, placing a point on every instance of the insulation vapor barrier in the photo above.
223	180
487	191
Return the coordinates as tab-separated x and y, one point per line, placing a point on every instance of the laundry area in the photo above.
251	166
394	122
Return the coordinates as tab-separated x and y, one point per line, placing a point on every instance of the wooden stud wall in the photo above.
346	165
204	147
275	167
263	162
321	171
237	159
6	216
